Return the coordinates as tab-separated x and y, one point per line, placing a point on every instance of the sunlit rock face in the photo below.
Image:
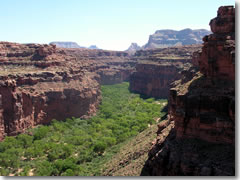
168	38
202	109
158	68
39	83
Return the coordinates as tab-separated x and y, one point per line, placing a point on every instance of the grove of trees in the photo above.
80	146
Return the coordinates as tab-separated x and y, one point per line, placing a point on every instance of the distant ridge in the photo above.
167	38
69	44
93	47
66	44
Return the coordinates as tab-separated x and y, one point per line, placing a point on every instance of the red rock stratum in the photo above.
39	83
201	125
158	68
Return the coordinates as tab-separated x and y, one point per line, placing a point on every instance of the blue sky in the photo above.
109	24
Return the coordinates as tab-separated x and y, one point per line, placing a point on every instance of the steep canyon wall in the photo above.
39	83
199	136
158	68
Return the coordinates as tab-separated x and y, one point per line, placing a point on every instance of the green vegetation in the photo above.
77	146
132	155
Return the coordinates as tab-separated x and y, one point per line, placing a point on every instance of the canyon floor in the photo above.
81	112
118	137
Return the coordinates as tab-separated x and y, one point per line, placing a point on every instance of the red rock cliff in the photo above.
153	79
39	83
200	134
112	66
157	69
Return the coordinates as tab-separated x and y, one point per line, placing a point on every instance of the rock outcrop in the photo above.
66	44
133	48
157	69
168	38
201	118
39	83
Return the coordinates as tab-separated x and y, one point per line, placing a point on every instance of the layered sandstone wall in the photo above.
112	66
202	109
204	106
157	69
153	80
39	83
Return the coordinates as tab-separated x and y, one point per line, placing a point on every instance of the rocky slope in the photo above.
39	83
168	38
158	68
201	120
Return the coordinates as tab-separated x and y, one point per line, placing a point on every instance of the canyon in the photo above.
198	138
42	82
39	83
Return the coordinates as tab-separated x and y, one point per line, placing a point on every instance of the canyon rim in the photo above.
61	113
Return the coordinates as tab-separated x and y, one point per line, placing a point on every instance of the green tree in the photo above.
25	140
99	147
44	168
41	132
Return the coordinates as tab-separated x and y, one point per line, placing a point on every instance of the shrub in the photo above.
76	140
61	166
40	132
59	151
44	168
150	100
110	141
25	171
84	156
25	140
68	172
99	147
11	158
4	172
8	143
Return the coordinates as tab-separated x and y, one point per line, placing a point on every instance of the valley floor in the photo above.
114	142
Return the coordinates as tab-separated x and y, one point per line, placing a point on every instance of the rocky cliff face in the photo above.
39	83
152	79
168	38
157	69
112	66
200	137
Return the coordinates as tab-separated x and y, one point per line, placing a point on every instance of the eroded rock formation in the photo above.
112	66
202	109
167	38
39	83
157	69
133	48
